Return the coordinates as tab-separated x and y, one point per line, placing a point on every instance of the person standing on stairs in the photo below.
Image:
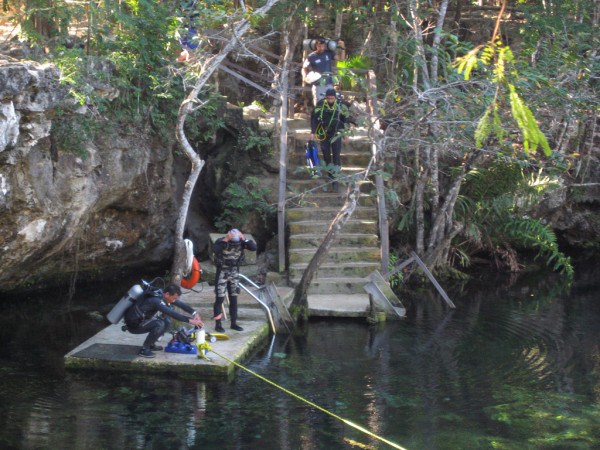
318	69
328	119
229	253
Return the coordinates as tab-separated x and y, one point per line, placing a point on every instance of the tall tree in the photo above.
206	64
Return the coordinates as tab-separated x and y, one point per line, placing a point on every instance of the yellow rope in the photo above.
347	422
201	350
320	133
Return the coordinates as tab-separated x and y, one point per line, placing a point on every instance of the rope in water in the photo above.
347	422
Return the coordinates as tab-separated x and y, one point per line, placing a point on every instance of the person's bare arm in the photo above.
306	65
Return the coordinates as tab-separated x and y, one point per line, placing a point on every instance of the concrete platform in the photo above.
115	350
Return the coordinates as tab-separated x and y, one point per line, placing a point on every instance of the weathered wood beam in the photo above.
226	69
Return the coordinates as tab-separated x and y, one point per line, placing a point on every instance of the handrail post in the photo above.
266	307
384	234
283	138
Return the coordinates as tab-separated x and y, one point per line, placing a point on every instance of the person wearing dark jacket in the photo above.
328	119
151	315
229	251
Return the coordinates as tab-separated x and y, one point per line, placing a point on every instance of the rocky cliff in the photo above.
60	212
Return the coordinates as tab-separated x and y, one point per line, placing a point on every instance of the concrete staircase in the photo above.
355	253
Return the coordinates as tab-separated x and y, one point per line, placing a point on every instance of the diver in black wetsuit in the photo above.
150	314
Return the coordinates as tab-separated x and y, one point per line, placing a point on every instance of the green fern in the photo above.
493	206
532	135
531	233
396	279
504	76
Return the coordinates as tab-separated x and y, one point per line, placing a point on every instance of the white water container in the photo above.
116	314
200	337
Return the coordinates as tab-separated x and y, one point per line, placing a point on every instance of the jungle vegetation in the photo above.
487	106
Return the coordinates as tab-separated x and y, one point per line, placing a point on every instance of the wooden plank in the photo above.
245	70
433	280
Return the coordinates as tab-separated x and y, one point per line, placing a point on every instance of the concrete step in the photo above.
337	255
321	227
348	158
300	241
356	135
337	285
358	269
329	199
299	171
338	305
327	213
355	253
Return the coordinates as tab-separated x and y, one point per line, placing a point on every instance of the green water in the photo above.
515	366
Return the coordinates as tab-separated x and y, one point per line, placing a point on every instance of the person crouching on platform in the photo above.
151	315
229	253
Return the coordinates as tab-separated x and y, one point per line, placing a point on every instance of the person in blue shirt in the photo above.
319	64
189	35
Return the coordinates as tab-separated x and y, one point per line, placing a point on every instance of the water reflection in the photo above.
514	366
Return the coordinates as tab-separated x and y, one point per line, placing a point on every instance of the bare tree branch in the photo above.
207	68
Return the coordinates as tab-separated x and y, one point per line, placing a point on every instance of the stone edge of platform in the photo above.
216	372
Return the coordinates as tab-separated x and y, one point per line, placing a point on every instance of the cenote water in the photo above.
515	366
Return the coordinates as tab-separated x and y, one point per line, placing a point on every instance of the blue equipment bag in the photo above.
312	157
181	347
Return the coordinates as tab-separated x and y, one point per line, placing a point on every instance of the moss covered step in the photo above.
348	239
358	269
335	285
357	159
352	226
338	254
300	171
327	199
328	213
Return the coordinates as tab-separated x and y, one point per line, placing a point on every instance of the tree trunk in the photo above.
442	229
207	69
437	39
420	60
420	211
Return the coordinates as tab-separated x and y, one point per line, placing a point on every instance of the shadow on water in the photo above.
515	366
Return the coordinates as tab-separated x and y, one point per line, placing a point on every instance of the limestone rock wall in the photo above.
60	212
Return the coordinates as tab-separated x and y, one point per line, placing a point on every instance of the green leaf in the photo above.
532	135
